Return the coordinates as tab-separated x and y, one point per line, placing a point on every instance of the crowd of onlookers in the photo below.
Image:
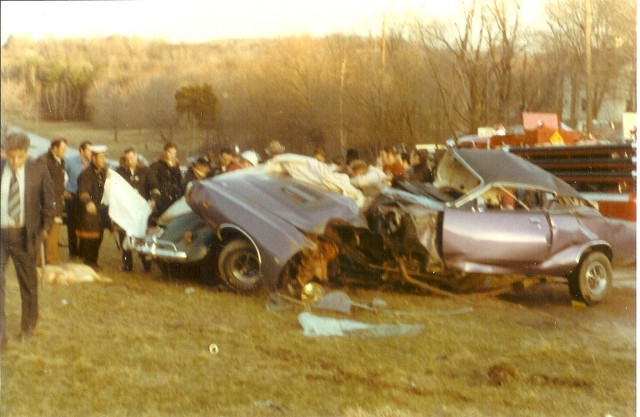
78	185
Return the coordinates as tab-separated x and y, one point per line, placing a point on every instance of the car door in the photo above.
495	240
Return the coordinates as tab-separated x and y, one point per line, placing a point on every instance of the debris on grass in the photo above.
313	326
270	404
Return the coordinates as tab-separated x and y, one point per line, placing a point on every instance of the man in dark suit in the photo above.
144	181
27	209
54	160
169	177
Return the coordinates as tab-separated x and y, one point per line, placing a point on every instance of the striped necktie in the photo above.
14	199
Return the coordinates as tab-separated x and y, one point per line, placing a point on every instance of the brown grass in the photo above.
140	346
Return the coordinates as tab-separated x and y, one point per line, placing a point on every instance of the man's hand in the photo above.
91	208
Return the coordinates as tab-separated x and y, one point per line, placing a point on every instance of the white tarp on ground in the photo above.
314	172
314	326
127	208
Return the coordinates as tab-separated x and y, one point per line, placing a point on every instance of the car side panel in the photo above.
495	241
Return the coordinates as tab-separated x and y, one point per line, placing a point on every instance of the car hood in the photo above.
466	169
305	207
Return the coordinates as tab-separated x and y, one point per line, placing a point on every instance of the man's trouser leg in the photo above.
52	253
127	257
91	249
4	259
24	261
72	221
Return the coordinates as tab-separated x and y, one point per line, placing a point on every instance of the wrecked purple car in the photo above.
488	217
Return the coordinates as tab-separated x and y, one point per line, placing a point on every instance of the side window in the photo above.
532	199
507	198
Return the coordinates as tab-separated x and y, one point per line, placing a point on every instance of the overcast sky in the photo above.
196	21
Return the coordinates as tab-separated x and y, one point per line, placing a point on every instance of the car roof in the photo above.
499	166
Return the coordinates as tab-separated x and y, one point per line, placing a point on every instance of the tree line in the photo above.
419	81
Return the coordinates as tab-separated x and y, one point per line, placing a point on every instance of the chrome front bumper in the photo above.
152	247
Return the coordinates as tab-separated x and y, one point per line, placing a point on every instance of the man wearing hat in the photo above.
199	170
94	217
249	159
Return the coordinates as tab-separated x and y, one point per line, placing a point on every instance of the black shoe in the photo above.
126	268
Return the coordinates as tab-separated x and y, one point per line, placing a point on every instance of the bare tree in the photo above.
468	86
157	104
110	102
503	18
613	43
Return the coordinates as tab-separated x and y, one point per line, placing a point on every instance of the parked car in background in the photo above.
488	215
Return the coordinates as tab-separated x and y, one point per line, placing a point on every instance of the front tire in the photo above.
592	281
239	266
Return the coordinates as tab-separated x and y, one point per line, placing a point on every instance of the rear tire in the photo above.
239	266
592	281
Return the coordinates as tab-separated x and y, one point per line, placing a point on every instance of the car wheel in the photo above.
239	266
591	282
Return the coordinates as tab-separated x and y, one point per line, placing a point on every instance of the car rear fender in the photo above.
595	246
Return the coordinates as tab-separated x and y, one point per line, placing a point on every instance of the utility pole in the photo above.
343	142
589	70
383	48
34	80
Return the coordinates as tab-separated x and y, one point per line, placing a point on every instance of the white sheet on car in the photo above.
127	208
371	182
314	172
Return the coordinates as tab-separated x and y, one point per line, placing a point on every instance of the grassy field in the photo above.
140	347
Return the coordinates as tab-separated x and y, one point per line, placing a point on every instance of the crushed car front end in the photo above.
277	216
